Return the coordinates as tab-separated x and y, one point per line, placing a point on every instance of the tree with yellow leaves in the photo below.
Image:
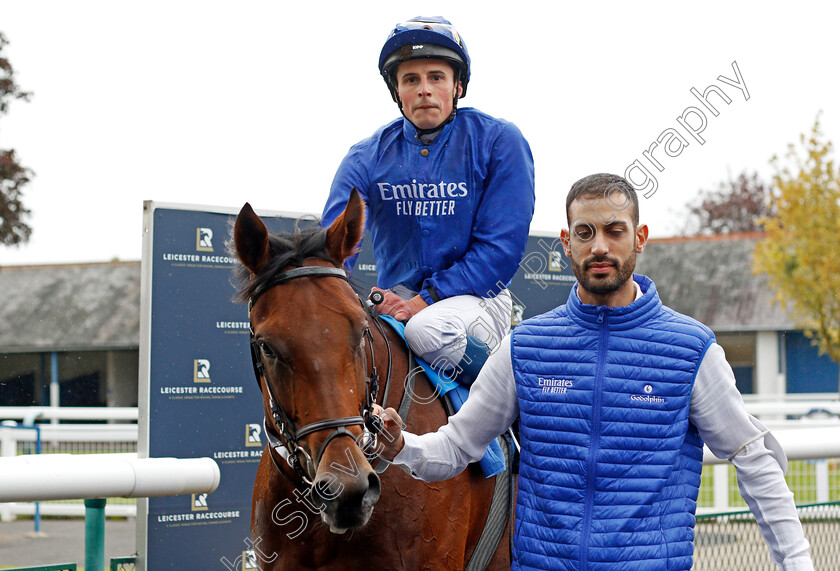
802	247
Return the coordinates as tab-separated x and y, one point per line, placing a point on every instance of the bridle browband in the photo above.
282	435
288	275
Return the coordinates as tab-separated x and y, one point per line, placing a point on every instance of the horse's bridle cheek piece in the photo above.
282	434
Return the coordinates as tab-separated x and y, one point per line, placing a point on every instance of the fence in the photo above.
68	439
117	564
766	407
29	414
726	534
814	479
96	476
732	541
813	469
811	481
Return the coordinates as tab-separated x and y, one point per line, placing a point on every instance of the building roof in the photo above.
70	307
711	279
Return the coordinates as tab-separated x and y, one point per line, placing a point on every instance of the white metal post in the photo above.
821	469
720	486
8	449
767	378
55	393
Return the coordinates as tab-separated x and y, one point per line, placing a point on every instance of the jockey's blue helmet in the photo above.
424	37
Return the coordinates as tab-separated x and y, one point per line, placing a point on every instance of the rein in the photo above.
282	434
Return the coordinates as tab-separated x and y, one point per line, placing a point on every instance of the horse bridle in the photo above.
283	436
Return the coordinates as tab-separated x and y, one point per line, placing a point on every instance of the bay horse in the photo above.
319	351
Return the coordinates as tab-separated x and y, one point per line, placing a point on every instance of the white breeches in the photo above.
439	332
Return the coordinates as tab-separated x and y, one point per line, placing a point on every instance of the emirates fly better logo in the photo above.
423	198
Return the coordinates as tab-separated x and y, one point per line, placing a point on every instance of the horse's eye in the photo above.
267	350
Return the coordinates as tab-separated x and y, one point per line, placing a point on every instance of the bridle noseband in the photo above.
282	434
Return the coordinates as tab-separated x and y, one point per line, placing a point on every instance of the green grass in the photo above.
801	479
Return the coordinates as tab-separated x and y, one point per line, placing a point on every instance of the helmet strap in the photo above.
428	135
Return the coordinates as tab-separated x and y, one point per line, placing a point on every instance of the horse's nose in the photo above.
349	502
374	488
358	492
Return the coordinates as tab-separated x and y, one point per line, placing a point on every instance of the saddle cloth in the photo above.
493	461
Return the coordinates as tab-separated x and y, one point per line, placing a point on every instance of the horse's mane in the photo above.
287	249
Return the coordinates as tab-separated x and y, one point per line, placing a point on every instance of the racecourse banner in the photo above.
198	395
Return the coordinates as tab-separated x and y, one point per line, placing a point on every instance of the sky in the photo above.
222	103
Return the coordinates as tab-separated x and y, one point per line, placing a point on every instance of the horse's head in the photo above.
309	336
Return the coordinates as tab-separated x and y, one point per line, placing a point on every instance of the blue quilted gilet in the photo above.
610	464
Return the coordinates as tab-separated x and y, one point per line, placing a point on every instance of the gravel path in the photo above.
62	540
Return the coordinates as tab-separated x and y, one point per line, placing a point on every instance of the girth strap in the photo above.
499	515
405	404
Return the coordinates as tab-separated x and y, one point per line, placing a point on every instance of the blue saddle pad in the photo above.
493	461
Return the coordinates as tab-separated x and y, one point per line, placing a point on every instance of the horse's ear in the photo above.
250	237
344	235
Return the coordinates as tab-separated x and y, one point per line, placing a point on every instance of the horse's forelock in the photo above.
287	249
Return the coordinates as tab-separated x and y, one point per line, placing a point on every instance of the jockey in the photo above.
449	195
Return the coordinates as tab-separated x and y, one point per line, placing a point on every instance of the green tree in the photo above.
13	177
736	205
802	246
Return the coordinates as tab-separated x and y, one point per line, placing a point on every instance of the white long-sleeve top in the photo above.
716	409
